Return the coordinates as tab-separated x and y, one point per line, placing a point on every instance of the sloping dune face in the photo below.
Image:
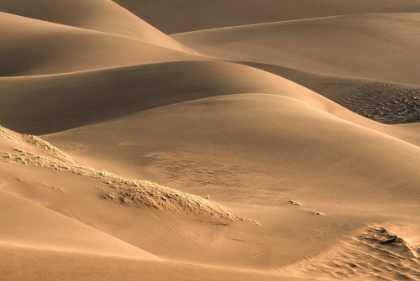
259	142
60	49
190	15
253	141
102	16
350	45
96	96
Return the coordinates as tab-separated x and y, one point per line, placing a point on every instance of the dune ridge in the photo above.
198	15
97	15
120	190
322	45
60	49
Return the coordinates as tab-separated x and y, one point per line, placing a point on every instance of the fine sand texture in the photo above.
209	140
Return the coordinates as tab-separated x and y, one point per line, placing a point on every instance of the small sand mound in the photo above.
135	193
385	103
376	254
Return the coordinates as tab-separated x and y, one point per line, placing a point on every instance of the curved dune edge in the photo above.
96	15
96	96
338	45
61	49
249	141
383	102
193	15
117	189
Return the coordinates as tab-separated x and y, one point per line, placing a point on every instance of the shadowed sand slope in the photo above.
37	47
103	16
189	15
351	45
101	95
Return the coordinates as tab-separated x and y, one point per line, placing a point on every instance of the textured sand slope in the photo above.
101	95
103	16
28	224
351	45
375	252
389	103
253	145
36	47
188	15
52	222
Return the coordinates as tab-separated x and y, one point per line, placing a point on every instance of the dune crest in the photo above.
117	189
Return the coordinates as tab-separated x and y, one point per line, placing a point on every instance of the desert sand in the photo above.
209	140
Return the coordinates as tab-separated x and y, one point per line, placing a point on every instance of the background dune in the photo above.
96	96
60	49
350	45
97	15
189	15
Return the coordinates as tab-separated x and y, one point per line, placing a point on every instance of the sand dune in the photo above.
255	141
350	45
388	103
59	49
102	16
64	234
268	141
96	96
189	15
389	257
91	267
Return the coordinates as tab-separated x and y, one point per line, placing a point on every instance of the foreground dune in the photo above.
255	142
218	243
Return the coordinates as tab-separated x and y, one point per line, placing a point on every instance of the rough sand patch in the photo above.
385	103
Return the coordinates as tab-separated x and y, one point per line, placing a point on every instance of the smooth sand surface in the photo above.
61	49
189	15
348	45
276	140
